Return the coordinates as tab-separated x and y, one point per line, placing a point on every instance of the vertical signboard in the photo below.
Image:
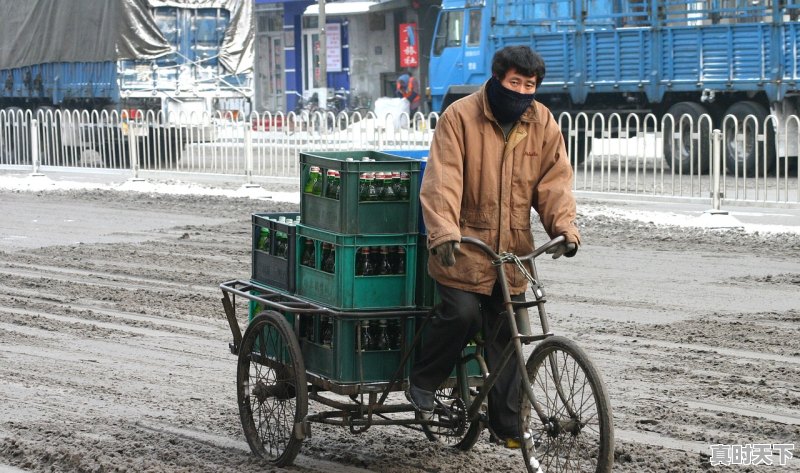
409	46
333	46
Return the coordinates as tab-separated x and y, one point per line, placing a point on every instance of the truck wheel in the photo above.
682	153
743	153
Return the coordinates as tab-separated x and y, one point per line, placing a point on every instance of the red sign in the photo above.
409	46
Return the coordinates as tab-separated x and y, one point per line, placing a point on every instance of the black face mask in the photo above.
507	106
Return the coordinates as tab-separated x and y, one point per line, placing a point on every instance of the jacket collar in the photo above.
530	115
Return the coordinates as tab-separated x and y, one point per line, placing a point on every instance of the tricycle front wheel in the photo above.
271	389
577	434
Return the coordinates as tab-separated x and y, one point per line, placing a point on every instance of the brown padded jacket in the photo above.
480	185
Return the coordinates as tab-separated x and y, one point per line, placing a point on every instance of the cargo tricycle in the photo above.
354	365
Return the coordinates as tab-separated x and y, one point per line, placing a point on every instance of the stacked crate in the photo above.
349	225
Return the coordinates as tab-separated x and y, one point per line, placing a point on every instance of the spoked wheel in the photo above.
271	388
451	410
578	435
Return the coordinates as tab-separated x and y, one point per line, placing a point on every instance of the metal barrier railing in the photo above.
620	154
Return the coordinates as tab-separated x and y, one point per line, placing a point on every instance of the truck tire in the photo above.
682	153
743	153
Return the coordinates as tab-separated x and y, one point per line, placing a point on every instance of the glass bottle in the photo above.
383	340
374	259
307	327
377	180
366	341
317	189
330	181
372	189
405	186
326	250
383	267
329	264
396	183
308	254
387	190
375	335
263	239
363	262
363	187
314	175
338	182
326	331
400	266
393	333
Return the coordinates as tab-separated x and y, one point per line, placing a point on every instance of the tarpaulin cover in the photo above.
43	31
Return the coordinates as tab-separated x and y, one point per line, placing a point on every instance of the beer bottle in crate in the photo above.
363	187
400	267
366	342
383	267
383	341
314	176
374	335
307	259
405	186
364	265
388	192
393	334
326	330
263	239
330	191
372	188
329	264
396	183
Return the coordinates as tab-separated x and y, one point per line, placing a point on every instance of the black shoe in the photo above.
422	400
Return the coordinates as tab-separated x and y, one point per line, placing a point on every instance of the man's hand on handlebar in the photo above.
446	252
564	248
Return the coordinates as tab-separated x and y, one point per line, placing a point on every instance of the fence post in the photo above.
248	158
248	153
35	147
716	167
133	150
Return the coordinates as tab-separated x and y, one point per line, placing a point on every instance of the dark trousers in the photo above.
462	316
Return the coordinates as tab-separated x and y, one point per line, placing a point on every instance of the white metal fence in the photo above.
624	154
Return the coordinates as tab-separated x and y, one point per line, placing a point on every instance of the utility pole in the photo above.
323	49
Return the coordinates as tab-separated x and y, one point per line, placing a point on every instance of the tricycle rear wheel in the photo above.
271	389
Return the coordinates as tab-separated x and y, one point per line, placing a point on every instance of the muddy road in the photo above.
114	347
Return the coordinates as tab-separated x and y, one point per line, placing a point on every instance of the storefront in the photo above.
368	45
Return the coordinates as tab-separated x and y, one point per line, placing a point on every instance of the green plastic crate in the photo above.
347	214
268	267
342	362
426	295
342	289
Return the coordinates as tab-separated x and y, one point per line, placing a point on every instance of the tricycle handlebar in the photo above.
494	256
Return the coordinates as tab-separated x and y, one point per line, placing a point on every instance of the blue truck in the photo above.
180	57
678	57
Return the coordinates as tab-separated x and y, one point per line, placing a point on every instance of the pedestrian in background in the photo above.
407	87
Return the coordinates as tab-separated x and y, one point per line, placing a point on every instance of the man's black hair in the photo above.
522	58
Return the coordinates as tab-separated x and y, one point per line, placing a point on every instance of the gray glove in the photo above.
564	248
446	252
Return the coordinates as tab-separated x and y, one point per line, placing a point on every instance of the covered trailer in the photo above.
180	58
